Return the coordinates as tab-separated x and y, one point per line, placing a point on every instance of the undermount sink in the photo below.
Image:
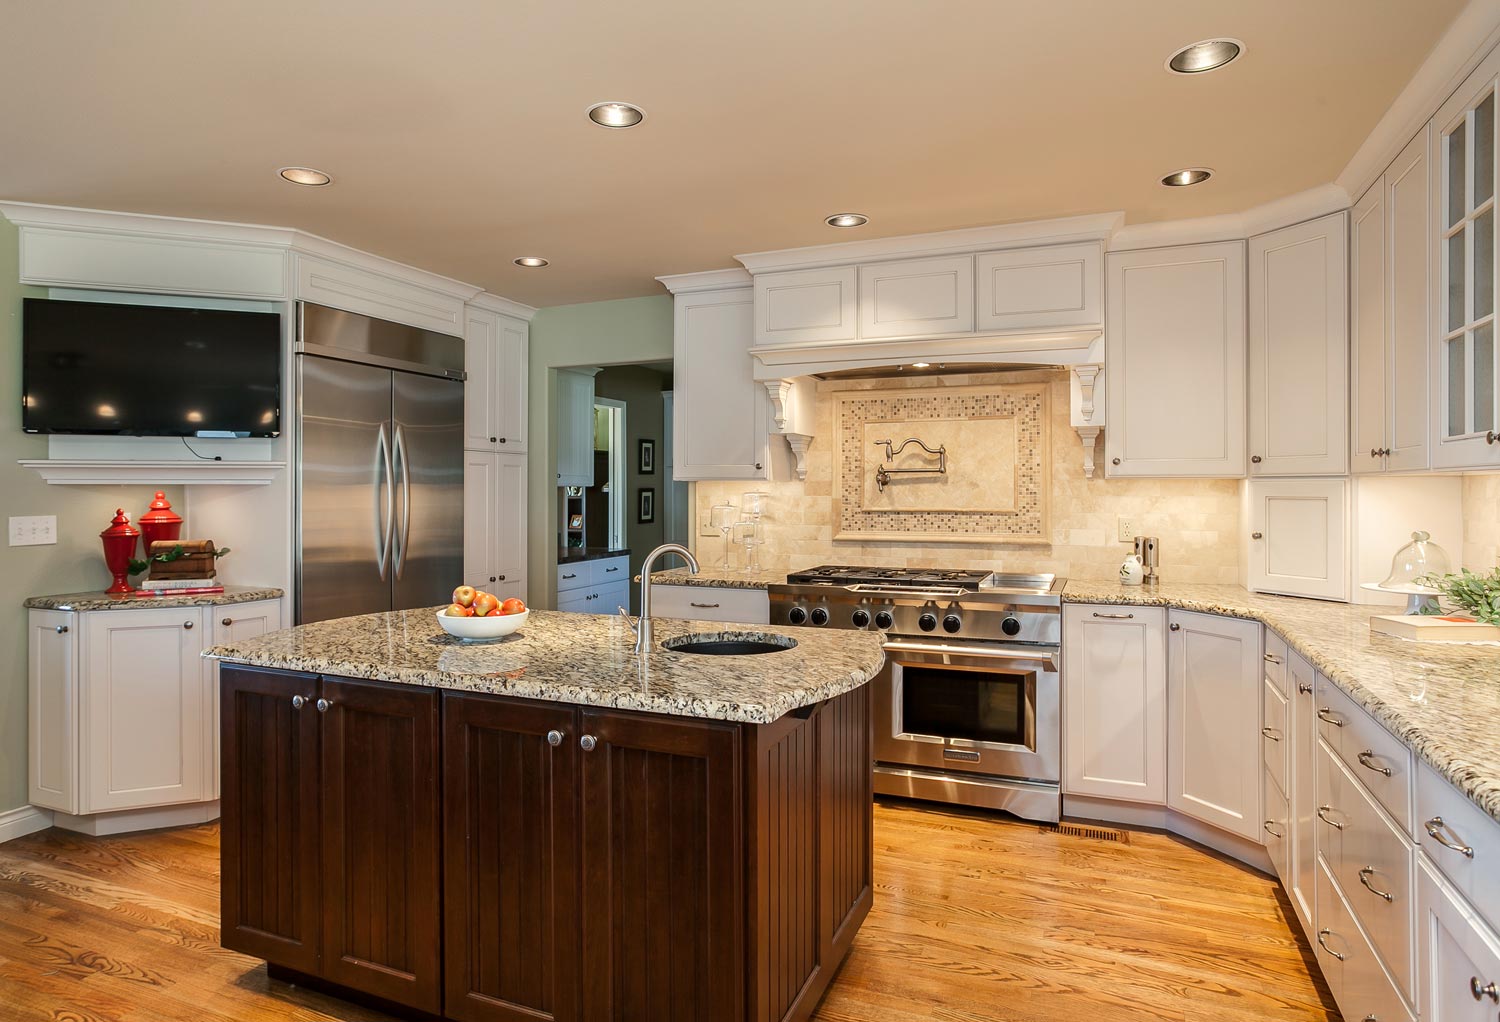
730	644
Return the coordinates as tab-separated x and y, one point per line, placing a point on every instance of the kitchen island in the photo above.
547	826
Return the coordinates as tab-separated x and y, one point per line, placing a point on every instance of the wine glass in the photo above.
723	517
748	534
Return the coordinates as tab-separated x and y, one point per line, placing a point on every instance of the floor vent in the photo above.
1092	833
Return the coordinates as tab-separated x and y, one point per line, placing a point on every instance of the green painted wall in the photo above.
75	563
569	336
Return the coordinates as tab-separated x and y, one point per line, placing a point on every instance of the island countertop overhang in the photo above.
583	659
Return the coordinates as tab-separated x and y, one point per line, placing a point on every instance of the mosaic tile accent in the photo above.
1025	404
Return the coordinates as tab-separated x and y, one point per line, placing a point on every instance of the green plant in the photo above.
1479	595
137	566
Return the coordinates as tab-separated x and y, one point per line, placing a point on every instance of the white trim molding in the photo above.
1269	216
63	472
775	362
708	280
25	820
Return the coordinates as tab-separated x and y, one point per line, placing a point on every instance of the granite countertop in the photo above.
1441	700
721	578
586	659
104	601
574	555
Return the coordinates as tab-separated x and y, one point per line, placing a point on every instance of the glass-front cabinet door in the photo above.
1467	417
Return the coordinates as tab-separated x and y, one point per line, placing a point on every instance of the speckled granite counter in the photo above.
586	659
104	601
1441	700
721	578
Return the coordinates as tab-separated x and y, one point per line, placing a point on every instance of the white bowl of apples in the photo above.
477	616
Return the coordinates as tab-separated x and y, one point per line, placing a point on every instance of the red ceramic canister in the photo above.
160	522
119	547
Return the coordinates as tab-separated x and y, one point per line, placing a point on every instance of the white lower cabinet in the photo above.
600	586
711	603
1458	952
233	623
1358	982
52	709
1213	720
1114	699
1298	537
1302	794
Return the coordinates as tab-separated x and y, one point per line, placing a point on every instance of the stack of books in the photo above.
179	587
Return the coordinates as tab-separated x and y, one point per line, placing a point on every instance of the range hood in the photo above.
958	354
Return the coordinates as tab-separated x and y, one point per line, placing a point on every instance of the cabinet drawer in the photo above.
1359	984
1276	829
609	571
1446	818
1458	951
577	575
1378	758
1275	736
706	603
1275	657
1372	861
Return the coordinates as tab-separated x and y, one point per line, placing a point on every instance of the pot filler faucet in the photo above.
642	624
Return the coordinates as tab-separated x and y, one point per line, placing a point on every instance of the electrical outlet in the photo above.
33	530
1127	529
705	528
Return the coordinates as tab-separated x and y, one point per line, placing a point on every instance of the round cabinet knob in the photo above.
1174	626
883	619
1257	535
323	705
1114	461
1490	437
927	622
188	625
757	466
1010	626
860	618
1374	452
554	738
952	623
298	702
796	615
494	440
493	579
587	743
1255	459
1481	991
502	440
61	629
819	616
226	622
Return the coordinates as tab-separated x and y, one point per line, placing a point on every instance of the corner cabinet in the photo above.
1464	369
1174	341
721	415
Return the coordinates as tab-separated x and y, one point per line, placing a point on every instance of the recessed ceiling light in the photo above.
847	220
1190	176
1206	55
616	115
305	176
530	261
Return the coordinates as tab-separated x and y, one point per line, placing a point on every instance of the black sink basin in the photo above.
729	645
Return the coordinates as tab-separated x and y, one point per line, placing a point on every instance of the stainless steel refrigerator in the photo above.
379	465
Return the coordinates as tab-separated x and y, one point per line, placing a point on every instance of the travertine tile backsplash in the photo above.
1481	521
1196	519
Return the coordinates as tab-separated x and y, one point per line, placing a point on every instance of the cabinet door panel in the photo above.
270	897
1408	202
52	709
646	778
721	414
1368	354
480	398
1056	286
917	297
1298	544
510	519
806	306
575	428
1213	728
230	624
1456	952
512	383
380	841
1303	792
510	852
481	519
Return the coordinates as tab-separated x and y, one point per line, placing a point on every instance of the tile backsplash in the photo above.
1196	519
1481	521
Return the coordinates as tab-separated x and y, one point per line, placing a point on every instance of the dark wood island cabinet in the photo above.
483	858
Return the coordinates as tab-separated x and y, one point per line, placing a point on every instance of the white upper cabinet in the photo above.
1389	304
575	427
721	414
1464	353
355	289
917	297
495	360
1298	539
1023	288
1299	349
1175	350
807	306
512	383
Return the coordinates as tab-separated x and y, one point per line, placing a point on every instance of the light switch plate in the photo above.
33	530
1127	529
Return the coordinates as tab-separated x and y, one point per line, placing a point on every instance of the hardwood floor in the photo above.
976	919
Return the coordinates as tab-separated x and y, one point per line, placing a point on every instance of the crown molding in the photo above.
504	306
1270	216
708	280
1092	227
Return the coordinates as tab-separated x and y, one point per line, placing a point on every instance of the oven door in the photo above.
970	708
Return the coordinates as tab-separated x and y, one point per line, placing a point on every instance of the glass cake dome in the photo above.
1417	559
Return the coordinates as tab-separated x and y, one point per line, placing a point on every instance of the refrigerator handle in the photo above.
383	488
405	470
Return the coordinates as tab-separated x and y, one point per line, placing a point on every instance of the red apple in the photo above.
512	606
464	596
458	610
485	605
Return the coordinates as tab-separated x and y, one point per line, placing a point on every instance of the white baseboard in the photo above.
129	821
20	822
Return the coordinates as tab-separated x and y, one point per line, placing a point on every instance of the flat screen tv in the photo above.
149	370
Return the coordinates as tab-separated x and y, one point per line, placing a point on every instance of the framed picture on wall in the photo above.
645	457
646	507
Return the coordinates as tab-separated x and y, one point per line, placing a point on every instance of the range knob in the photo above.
927	622
819	616
860	618
951	624
883	619
1010	626
796	615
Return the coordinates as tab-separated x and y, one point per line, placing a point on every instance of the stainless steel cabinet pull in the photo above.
1304	688
554	738
587	743
61	629
1327	717
226	622
1114	617
1481	992
703	606
1364	761
298	702
323	705
1364	878
1435	827
1270	658
1324	944
1274	833
188	625
1332	823
1174	626
1257	535
1270	732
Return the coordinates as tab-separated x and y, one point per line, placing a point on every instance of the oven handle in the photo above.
1048	657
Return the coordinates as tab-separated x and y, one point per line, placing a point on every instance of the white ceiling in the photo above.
456	134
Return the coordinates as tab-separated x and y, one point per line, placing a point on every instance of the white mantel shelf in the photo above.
114	473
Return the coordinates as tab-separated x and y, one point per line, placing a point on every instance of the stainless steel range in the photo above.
967	709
